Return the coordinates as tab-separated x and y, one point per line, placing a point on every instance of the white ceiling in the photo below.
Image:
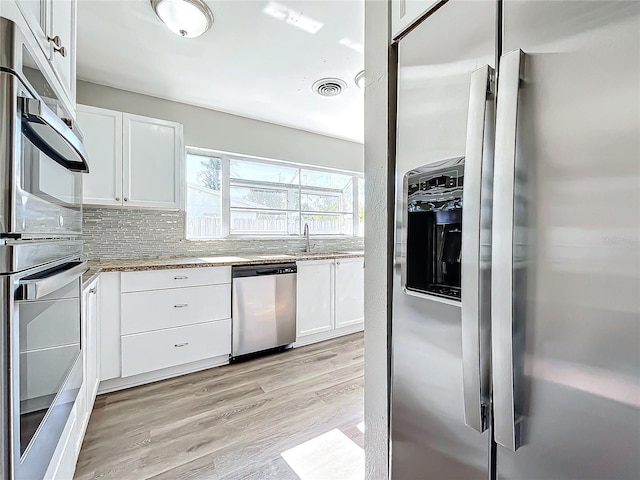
249	63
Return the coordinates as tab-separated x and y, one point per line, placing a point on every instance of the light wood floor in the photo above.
229	422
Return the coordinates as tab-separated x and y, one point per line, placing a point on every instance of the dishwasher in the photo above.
263	308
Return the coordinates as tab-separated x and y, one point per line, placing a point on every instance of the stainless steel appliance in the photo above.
533	373
41	163
263	307
41	152
41	350
434	228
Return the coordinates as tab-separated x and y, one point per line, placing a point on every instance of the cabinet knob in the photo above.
57	42
62	51
117	199
126	199
57	45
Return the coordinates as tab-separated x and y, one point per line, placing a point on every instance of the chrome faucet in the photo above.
307	247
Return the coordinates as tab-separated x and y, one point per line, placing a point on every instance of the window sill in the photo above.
275	237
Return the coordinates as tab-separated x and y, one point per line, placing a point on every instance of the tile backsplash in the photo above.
115	233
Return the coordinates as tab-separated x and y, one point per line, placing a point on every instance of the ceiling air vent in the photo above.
329	87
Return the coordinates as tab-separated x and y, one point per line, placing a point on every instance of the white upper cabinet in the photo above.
349	291
36	14
63	45
133	160
315	297
103	140
152	161
405	12
53	25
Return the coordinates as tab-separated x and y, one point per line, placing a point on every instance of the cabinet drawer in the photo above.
172	278
177	307
146	352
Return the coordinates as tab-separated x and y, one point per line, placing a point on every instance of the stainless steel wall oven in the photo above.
41	163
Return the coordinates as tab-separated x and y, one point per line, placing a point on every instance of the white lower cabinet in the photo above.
349	288
330	299
65	456
157	309
146	352
157	324
314	297
92	344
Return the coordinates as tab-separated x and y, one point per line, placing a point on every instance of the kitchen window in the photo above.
234	195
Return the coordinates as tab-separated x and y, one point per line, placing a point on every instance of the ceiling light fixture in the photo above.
186	18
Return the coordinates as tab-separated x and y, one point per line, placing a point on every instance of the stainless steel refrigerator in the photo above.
516	287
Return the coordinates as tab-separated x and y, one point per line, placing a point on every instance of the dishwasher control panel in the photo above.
287	270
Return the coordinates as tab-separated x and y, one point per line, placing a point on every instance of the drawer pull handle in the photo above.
181	277
181	305
184	344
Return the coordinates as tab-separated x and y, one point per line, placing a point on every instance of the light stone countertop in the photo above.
132	265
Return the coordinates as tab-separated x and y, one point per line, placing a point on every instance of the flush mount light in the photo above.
186	18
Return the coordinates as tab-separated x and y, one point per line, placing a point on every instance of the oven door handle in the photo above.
35	287
50	134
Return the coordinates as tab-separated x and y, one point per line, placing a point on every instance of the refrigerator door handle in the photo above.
506	424
476	242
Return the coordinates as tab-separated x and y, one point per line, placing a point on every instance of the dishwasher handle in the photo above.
263	270
271	271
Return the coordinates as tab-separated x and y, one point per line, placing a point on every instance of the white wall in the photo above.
378	239
207	128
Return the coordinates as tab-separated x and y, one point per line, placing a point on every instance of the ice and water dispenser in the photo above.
434	228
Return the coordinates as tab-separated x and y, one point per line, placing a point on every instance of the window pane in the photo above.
347	197
329	224
313	178
312	202
204	171
252	171
361	207
264	222
254	197
203	197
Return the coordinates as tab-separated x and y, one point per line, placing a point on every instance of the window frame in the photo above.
225	196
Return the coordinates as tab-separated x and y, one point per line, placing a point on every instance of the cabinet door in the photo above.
91	347
63	59
349	282
102	131
405	12
36	14
315	297
109	332
152	162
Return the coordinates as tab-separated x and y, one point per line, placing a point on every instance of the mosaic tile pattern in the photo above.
121	233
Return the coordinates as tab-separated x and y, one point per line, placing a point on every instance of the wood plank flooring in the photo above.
230	422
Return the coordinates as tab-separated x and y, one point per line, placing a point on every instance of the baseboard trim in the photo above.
115	384
319	337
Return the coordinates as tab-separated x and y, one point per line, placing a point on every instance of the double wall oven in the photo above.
41	163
